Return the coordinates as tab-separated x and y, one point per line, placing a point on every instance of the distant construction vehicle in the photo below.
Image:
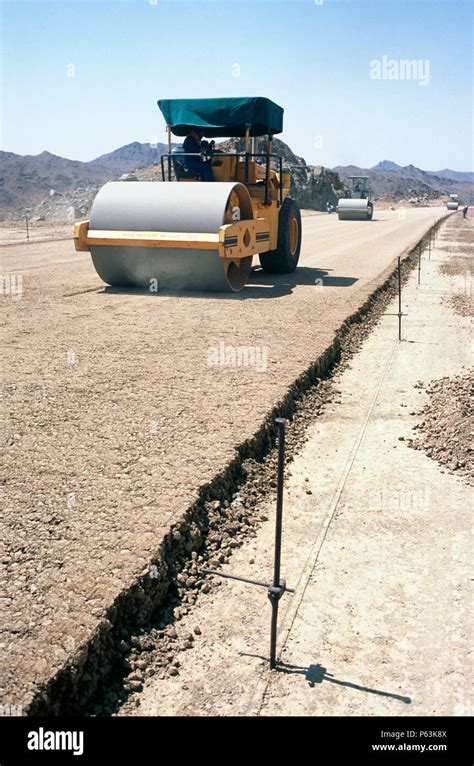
453	202
194	234
357	207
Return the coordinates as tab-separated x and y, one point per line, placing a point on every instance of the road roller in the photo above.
453	202
357	207
187	233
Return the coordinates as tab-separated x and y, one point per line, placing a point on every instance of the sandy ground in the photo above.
377	542
15	233
113	418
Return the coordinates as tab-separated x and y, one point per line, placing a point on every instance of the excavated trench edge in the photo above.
70	690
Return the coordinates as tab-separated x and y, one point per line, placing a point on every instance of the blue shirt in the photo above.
191	145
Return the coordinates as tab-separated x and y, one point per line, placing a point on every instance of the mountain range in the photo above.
387	179
130	157
25	180
453	175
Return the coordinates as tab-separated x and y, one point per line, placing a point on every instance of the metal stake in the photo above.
399	300
419	263
278	586
399	313
27	229
276	591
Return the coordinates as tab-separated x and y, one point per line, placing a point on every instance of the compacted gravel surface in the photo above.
118	406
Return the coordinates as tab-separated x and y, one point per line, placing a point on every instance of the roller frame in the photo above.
233	240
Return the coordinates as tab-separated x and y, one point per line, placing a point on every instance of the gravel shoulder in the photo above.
377	542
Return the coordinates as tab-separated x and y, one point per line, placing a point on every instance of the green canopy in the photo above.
222	116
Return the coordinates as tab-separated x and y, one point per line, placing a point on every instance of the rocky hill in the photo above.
387	179
131	157
48	187
312	186
25	180
453	175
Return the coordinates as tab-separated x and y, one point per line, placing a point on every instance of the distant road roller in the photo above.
357	207
188	234
453	202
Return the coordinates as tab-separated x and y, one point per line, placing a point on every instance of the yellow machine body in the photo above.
194	234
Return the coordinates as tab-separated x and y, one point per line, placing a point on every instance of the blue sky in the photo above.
82	78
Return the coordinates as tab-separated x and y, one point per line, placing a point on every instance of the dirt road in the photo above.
119	406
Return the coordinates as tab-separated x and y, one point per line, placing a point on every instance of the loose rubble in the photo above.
445	433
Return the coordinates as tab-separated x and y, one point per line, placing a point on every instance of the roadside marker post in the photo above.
278	586
399	313
399	301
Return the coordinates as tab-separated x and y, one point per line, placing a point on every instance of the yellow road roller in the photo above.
187	233
357	207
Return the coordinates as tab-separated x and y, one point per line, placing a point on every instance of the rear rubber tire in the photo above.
285	258
370	211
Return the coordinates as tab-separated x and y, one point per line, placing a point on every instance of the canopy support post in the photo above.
247	150
169	153
267	171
